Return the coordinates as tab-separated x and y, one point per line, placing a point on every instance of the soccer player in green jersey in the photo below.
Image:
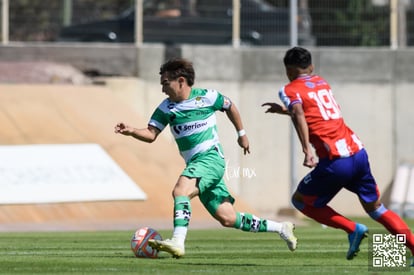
190	113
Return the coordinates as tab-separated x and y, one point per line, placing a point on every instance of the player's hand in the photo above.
243	141
309	161
275	108
124	129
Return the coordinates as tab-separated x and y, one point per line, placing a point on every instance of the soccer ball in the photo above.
139	242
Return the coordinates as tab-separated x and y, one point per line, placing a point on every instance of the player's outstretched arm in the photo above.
148	134
275	108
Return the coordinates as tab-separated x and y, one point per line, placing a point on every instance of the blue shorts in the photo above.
330	176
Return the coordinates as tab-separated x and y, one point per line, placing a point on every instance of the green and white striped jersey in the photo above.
192	121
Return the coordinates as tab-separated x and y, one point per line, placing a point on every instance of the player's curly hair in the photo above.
177	67
298	57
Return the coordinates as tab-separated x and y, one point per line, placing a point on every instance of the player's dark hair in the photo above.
177	67
298	57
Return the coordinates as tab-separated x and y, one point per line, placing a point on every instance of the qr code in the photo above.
389	251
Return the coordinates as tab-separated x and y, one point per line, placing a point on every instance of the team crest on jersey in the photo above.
199	101
309	85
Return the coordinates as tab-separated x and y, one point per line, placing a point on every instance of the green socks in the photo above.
182	216
249	222
182	211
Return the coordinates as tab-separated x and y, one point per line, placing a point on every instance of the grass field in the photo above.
218	251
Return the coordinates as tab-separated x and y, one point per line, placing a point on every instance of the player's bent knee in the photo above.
377	213
299	205
226	221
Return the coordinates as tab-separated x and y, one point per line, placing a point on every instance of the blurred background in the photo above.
71	69
262	22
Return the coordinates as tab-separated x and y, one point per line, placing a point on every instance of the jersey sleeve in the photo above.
221	102
289	97
159	119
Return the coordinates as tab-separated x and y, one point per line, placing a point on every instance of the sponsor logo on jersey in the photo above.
177	129
200	113
188	127
193	126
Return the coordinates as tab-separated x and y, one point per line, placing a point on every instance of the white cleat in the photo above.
287	235
171	246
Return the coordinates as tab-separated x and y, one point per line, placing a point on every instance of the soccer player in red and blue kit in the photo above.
342	160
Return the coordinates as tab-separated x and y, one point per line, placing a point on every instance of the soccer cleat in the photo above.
171	246
287	235
355	239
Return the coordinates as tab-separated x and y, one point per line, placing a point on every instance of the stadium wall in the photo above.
373	86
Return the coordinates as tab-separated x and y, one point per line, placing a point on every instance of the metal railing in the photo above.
330	23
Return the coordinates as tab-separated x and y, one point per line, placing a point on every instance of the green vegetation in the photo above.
219	251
